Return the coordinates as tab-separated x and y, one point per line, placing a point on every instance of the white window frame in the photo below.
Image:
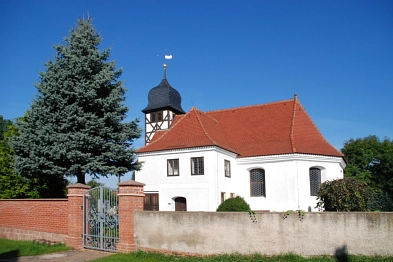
173	167
227	168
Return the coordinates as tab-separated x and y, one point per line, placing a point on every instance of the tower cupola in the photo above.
164	103
164	96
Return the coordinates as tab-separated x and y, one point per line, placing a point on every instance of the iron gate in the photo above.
100	219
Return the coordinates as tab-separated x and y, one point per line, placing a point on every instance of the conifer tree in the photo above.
76	124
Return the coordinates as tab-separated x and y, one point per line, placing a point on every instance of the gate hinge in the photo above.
81	207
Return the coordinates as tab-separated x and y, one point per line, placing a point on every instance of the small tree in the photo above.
370	160
76	123
94	183
6	153
235	204
346	194
13	185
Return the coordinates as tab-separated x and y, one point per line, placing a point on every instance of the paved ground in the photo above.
64	256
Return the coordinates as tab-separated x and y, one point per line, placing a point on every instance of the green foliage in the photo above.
346	194
380	201
75	126
301	214
287	213
12	185
6	153
94	183
235	204
370	160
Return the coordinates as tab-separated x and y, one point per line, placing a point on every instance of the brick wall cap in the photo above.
130	183
79	185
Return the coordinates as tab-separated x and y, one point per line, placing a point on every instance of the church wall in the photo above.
329	171
201	191
225	184
279	185
286	180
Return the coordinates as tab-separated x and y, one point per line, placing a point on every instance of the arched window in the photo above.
315	180
257	182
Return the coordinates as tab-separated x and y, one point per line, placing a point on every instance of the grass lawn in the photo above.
154	257
17	248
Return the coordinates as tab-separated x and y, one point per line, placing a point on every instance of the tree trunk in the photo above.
81	177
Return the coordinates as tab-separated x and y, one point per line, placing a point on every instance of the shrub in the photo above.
346	194
236	204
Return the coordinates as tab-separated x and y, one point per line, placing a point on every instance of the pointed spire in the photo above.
164	71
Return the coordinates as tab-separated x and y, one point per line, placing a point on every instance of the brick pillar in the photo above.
75	215
130	200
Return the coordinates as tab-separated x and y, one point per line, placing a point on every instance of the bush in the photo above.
346	194
236	204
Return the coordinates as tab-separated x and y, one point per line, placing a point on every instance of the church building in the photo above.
270	154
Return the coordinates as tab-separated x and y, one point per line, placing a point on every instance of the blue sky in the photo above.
336	55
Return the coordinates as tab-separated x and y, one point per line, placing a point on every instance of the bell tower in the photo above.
164	103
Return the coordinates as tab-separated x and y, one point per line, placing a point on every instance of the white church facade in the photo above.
270	154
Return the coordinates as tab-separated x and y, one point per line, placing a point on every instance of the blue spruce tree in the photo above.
76	124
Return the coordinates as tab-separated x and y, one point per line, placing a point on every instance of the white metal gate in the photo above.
100	219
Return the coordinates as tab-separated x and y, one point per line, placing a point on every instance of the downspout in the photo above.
297	184
295	101
218	196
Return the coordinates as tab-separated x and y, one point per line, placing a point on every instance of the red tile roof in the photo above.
282	127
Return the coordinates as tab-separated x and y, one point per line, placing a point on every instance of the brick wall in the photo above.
31	219
61	220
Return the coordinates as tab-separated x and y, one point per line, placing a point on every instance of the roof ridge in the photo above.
249	106
222	130
315	126
293	124
202	126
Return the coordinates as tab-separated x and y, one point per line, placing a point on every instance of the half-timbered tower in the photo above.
164	103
